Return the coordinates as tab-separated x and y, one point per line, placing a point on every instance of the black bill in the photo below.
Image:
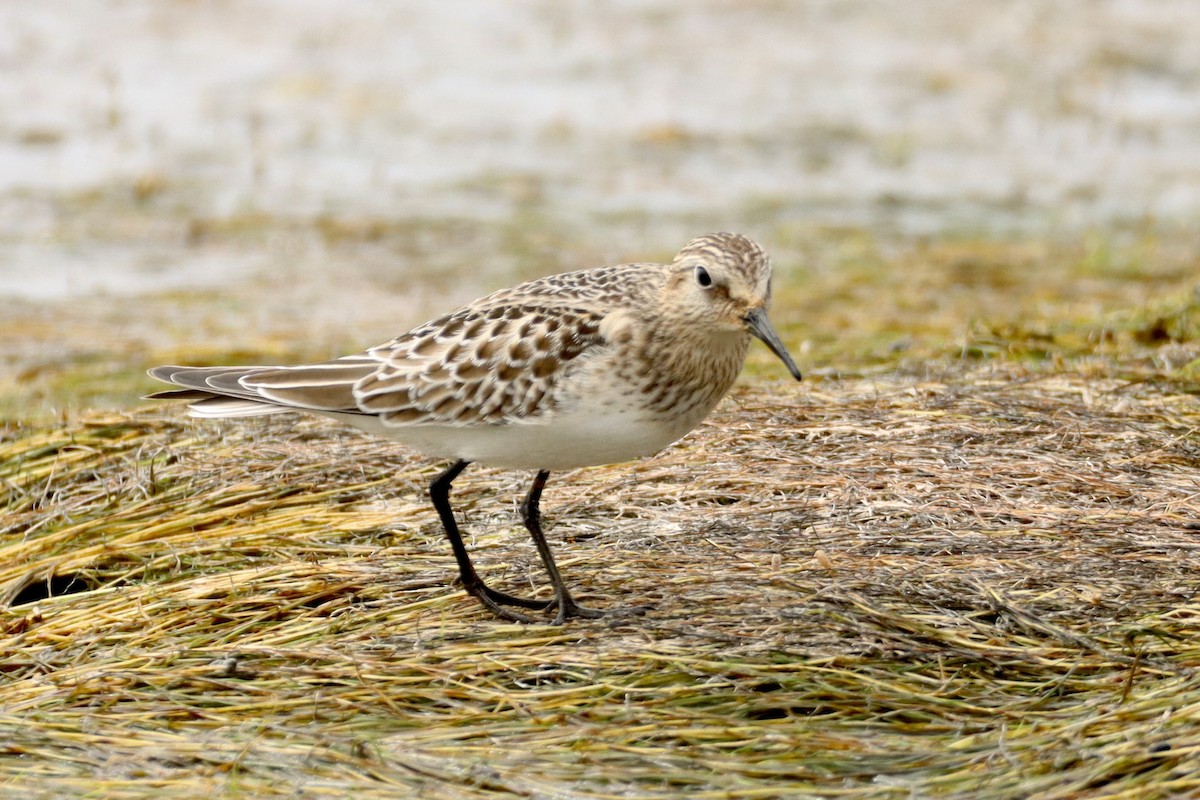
760	326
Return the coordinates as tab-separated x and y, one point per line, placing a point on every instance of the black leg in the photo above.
439	493
532	516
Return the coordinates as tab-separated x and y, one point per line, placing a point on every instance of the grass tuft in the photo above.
977	587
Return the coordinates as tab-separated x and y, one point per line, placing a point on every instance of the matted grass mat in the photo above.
890	588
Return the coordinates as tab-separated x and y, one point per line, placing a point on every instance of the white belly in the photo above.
568	442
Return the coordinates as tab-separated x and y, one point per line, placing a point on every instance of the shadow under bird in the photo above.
572	370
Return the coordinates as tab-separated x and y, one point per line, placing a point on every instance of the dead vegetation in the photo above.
978	586
960	560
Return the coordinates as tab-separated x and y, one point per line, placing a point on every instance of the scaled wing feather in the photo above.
482	364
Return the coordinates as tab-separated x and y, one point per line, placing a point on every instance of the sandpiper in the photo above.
572	370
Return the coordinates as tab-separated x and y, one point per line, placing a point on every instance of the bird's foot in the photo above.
569	609
505	599
502	603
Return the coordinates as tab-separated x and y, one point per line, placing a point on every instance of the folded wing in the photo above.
483	364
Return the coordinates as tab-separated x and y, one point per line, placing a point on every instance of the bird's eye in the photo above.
703	278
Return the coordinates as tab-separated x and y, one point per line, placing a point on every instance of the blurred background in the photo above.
201	181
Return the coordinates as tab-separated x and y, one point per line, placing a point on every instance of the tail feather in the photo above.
255	391
214	407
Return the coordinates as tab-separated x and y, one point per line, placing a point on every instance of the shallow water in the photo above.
126	127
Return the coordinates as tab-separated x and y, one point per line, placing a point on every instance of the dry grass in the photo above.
978	586
959	561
